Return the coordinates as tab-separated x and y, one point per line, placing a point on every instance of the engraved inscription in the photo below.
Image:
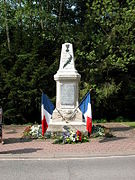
67	94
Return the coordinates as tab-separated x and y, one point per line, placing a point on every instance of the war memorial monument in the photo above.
67	93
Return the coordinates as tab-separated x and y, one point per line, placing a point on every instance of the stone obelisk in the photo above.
67	89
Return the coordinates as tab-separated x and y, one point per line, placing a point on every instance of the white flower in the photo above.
73	139
36	131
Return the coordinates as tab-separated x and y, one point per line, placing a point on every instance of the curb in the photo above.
65	156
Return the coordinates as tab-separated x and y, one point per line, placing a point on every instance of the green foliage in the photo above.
98	131
99	121
101	131
103	35
131	124
107	57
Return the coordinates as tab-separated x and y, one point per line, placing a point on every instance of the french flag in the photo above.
85	107
46	112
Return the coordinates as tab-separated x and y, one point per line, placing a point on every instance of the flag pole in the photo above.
65	119
74	110
62	116
84	97
79	104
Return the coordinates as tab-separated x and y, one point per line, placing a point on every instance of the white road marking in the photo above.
63	158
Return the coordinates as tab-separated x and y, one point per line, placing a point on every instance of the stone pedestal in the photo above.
67	79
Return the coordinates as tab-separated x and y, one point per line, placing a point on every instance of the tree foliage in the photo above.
31	35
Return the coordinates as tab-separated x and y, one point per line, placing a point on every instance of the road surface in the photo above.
91	168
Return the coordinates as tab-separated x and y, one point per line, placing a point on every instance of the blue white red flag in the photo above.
46	112
85	107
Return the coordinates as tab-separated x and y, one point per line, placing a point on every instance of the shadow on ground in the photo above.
21	151
111	139
16	140
120	128
11	132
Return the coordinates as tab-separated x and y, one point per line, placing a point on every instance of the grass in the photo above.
99	120
131	124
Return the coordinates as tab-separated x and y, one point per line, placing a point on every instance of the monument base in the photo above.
67	115
58	126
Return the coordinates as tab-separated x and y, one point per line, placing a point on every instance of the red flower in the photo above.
27	129
79	134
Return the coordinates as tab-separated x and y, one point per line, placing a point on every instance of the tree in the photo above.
106	52
32	32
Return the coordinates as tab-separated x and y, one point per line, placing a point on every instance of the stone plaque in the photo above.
67	94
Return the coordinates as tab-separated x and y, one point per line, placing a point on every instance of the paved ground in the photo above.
123	143
93	168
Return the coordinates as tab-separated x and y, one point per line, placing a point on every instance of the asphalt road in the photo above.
93	168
